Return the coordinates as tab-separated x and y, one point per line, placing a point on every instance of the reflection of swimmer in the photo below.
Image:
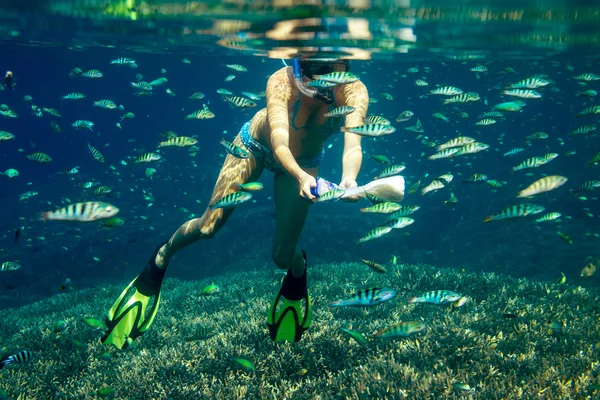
9	80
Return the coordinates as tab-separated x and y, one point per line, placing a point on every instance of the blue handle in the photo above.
296	68
314	191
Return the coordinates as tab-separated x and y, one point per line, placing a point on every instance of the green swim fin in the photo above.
289	322
131	314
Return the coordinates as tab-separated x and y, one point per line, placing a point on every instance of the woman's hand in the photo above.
347	184
305	183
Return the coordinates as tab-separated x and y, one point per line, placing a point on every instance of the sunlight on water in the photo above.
359	29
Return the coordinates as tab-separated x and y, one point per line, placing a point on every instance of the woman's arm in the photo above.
357	96
279	91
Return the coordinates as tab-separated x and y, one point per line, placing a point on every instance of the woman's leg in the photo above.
235	171
291	211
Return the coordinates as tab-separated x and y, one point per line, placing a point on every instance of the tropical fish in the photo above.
251	186
231	200
82	212
436	297
375	234
391	171
401	330
549	217
9	266
234	149
147	157
39	157
397	223
516	211
180	141
374	266
382	208
542	185
338	77
340	111
202	333
436	184
456	142
19	358
240	102
331	195
355	335
95	153
366	298
372	130
243	363
210	290
377	119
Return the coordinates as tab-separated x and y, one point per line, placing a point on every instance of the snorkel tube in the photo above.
320	94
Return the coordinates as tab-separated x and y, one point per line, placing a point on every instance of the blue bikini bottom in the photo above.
264	154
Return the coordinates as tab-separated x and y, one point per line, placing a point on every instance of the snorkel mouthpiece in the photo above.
324	95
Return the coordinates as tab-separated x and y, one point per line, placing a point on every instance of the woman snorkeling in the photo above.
287	138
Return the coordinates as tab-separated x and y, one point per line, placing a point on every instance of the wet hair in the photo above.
310	68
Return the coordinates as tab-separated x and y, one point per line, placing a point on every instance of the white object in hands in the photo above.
390	188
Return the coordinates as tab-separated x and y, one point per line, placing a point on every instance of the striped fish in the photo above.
366	298
377	119
516	211
391	171
446	91
147	157
237	67
6	135
321	84
537	136
397	223
251	96
403	212
231	200
549	217
234	149
588	77
81	212
532	162
9	266
471	148
476	178
240	102
594	160
125	61
331	195
375	234
514	151
108	104
583	130
436	184
39	157
83	124
19	358
416	128
492	114
458	141
92	74
338	77
587	187
371	130
225	92
523	93
594	110
402	330
180	141
445	153
374	266
205	113
486	122
197	96
436	297
382	208
52	112
531	83
463	98
374	199
340	111
96	154
102	191
543	185
69	171
74	96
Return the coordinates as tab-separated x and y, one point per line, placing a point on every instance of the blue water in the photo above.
442	235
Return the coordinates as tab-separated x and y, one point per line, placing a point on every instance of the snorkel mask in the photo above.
314	67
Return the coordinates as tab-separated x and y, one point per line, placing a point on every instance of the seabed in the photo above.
513	339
